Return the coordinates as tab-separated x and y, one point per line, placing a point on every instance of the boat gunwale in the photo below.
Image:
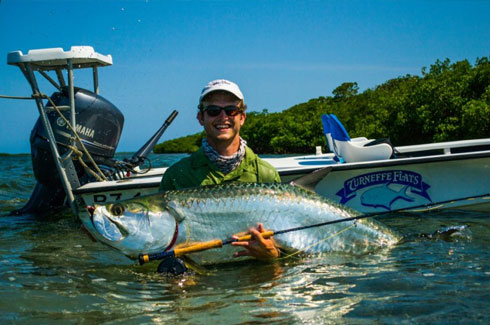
398	161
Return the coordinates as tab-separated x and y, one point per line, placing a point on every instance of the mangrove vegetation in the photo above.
448	101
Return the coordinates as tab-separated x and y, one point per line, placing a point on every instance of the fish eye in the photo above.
117	210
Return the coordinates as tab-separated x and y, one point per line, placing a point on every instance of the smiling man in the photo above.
224	156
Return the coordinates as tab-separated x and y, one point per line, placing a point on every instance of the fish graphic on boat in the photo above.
383	196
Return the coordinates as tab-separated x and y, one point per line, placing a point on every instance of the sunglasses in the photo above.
214	110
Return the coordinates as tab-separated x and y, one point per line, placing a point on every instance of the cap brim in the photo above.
226	88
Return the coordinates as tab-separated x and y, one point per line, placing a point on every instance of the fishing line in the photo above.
318	242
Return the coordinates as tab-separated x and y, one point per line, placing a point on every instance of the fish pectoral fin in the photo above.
175	210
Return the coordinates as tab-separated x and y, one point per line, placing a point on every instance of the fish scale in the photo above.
217	212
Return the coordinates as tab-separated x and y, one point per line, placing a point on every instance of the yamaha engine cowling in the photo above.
99	125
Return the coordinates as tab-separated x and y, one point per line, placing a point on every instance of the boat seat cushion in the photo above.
357	149
353	152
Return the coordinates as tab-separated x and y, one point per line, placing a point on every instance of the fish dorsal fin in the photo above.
310	180
404	191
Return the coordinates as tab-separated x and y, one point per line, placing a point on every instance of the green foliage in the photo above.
345	90
449	101
4	154
189	143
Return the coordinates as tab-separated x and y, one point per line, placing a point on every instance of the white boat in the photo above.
369	178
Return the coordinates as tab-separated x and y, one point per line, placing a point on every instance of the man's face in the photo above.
222	128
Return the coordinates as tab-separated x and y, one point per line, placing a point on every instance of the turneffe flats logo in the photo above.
380	194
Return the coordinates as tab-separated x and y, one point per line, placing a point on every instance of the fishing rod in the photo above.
145	150
218	243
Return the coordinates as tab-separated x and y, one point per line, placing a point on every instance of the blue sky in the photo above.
281	53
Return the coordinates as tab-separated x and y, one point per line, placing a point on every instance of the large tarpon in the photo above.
175	218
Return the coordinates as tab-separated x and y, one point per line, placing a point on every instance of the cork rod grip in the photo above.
198	247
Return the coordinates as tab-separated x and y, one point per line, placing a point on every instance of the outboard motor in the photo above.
99	125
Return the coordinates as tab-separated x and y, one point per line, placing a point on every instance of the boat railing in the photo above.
446	148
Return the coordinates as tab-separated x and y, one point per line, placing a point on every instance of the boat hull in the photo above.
460	181
422	183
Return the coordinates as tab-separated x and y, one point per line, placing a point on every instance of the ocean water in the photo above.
51	272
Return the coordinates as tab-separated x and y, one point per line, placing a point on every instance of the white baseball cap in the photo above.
221	84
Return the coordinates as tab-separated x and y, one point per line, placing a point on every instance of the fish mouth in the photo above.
109	228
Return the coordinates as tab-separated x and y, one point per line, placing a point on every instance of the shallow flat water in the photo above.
51	272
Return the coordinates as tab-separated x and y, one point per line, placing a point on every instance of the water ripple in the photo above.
50	271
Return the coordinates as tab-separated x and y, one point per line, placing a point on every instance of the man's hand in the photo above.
258	247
